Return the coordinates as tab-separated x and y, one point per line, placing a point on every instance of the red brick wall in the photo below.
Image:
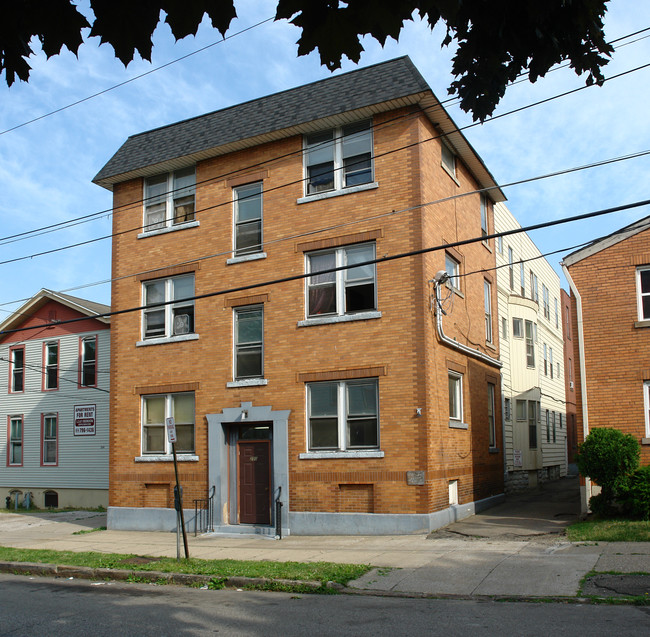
402	343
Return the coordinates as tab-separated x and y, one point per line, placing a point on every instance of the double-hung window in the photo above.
51	365
530	343
452	267
532	424
448	159
247	201
522	278
339	158
553	425
249	342
88	362
484	216
487	294
155	409
177	316
346	291
546	302
492	431
534	289
169	199
17	373
50	438
643	293
548	426
511	268
646	405
517	328
343	415
15	446
545	360
455	398
550	360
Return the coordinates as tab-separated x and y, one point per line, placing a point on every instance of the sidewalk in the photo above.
513	550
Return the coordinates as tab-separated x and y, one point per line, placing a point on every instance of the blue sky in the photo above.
46	167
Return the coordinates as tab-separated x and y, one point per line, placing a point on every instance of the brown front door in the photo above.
254	481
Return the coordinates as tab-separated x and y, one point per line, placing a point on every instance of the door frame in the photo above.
269	481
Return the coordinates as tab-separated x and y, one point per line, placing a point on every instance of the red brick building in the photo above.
302	361
610	300
569	376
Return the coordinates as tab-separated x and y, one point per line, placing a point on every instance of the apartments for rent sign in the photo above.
84	420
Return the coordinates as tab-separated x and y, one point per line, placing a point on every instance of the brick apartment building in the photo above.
569	376
610	300
344	395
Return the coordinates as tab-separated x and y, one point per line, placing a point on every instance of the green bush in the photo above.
635	495
608	456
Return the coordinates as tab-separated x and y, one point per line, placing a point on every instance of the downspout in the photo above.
586	490
439	279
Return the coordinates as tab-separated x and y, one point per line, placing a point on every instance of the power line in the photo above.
102	238
92	216
377	261
135	77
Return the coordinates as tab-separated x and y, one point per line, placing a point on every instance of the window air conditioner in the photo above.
182	324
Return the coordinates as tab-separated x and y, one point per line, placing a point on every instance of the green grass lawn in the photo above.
312	571
598	530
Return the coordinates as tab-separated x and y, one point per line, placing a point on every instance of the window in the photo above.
507	408
249	338
169	199
558	370
484	216
553	425
17	370
51	365
646	402
49	427
520	406
455	397
517	328
522	279
546	302
339	158
343	415
548	427
532	424
452	267
247	201
492	433
511	268
88	363
487	292
155	409
448	160
550	360
567	321
530	344
500	244
534	289
15	447
545	361
557	319
643	293
504	327
346	291
174	319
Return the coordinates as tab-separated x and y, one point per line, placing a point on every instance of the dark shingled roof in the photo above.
335	95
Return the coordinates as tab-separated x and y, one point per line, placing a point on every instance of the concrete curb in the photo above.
181	579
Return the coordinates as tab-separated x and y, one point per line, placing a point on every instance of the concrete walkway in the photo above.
515	549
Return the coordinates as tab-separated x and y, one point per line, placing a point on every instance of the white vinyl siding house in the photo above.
64	460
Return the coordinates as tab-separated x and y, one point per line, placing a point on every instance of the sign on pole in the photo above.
171	429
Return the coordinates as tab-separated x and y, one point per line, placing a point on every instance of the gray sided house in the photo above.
54	403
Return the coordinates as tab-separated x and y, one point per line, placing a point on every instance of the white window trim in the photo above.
236	222
342	412
457	422
646	404
246	257
252	380
179	226
169	204
450	170
167	308
640	295
345	318
339	285
338	193
338	165
156	457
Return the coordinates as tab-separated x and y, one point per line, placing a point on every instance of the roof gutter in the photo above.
584	500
